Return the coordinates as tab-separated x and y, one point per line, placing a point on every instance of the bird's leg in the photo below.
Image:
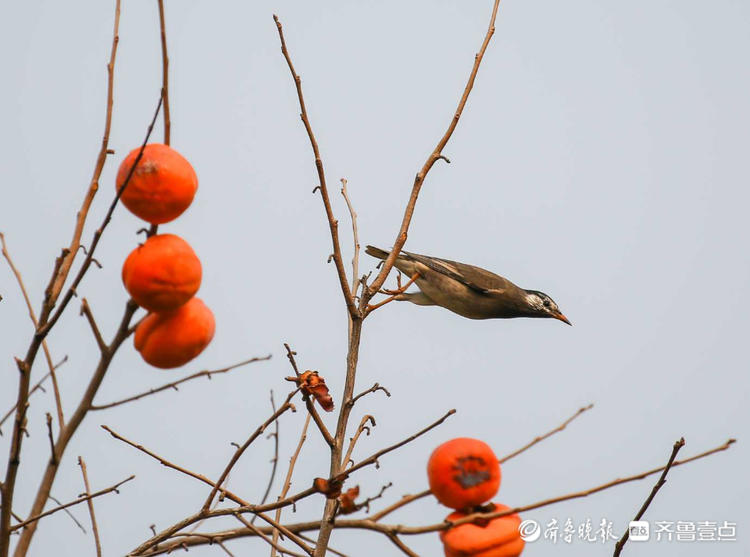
393	294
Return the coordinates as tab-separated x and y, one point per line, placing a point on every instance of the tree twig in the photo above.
662	480
164	73
272	542
353	441
550	433
332	222
287	405
90	504
45	347
164	462
174	384
275	460
288	479
86	310
436	155
70	504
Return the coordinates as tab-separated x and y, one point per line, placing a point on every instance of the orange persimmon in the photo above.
163	273
498	538
173	338
463	473
162	185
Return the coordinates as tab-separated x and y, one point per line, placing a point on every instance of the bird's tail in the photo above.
376	252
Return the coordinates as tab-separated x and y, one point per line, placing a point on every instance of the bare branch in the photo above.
53	456
434	157
174	384
401	545
287	405
288	479
272	542
164	73
662	480
66	511
90	505
275	460
405	500
86	310
373	459
355	236
81	499
374	388
546	435
332	222
362	427
163	461
45	348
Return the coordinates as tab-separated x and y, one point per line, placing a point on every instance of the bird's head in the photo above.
542	305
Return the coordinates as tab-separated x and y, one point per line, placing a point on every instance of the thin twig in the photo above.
81	499
286	532
546	435
405	500
288	479
45	348
374	388
332	222
436	155
90	505
66	511
275	460
355	237
662	480
401	545
373	459
86	310
53	456
164	462
272	542
164	73
287	405
36	387
362	427
173	384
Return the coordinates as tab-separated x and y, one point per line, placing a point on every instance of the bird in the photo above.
467	290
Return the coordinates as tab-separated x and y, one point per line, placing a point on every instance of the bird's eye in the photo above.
546	303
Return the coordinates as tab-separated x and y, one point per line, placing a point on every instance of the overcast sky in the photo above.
602	158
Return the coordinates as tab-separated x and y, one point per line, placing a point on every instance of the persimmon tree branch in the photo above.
90	504
333	224
662	480
287	405
37	387
288	479
550	433
437	154
173	384
45	348
80	499
164	73
372	522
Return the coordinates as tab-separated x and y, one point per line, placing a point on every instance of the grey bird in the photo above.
467	290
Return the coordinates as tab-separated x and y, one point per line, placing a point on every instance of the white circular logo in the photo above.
529	530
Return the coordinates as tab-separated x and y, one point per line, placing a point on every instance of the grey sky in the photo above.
602	159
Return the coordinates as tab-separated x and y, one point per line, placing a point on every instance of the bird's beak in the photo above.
562	318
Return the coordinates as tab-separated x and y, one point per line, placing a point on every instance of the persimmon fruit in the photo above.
162	185
463	473
172	339
498	538
163	273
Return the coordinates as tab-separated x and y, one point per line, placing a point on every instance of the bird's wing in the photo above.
475	278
